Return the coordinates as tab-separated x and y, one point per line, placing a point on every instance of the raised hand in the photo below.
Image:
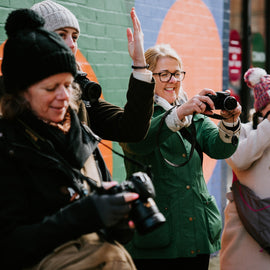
135	41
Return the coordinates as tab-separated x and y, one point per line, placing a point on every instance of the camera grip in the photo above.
111	208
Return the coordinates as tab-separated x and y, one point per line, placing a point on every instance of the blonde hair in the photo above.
153	54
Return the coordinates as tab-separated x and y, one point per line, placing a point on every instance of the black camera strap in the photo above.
191	137
266	115
145	168
186	134
214	116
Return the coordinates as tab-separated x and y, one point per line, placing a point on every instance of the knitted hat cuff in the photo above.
261	97
54	22
259	80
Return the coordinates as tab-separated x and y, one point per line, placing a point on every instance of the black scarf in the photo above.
75	146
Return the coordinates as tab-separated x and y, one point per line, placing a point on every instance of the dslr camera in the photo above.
144	211
222	101
91	91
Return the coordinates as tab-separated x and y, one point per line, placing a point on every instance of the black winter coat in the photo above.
38	211
130	124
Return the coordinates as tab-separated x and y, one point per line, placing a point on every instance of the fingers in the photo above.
135	20
121	202
135	41
204	103
131	196
201	102
199	106
207	91
233	115
129	35
131	224
195	104
108	185
198	102
118	207
124	198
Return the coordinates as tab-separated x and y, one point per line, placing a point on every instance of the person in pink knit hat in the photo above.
240	248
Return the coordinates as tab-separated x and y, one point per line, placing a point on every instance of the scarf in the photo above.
180	100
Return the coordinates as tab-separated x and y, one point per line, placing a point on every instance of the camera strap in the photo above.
266	115
145	168
191	137
214	116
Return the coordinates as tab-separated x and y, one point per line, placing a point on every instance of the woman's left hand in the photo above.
231	116
135	41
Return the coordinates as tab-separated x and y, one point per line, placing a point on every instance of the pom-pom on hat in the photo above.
56	16
32	53
259	81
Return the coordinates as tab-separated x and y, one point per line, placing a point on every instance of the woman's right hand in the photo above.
197	104
113	208
135	41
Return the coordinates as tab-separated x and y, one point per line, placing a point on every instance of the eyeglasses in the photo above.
165	76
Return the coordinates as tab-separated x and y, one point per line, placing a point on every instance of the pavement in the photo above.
214	262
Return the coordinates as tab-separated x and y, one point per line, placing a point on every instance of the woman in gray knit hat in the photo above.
60	20
108	121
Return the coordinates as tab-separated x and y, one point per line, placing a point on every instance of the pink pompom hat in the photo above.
257	79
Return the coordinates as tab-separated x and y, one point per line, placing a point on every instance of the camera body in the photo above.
91	91
222	101
144	211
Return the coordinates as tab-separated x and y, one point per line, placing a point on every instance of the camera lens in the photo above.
91	91
230	103
146	216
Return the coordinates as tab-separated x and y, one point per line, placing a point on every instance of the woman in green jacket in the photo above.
193	223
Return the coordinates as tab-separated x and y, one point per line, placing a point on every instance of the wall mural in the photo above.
194	28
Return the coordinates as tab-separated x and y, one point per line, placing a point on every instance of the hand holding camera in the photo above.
222	101
113	207
207	101
139	191
230	108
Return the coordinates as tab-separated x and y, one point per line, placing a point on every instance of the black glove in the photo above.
111	208
120	232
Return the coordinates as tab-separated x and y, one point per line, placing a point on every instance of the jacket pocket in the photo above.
160	237
213	218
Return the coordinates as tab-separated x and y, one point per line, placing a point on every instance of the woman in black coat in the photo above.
46	201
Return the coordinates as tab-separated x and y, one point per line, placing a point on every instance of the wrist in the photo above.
180	115
230	125
145	66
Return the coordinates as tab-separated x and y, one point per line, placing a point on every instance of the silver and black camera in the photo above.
222	101
144	211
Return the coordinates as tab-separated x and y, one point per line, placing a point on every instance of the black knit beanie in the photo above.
32	53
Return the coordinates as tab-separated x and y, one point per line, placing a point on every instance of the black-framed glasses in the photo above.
165	76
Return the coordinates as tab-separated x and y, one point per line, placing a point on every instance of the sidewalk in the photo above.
214	263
